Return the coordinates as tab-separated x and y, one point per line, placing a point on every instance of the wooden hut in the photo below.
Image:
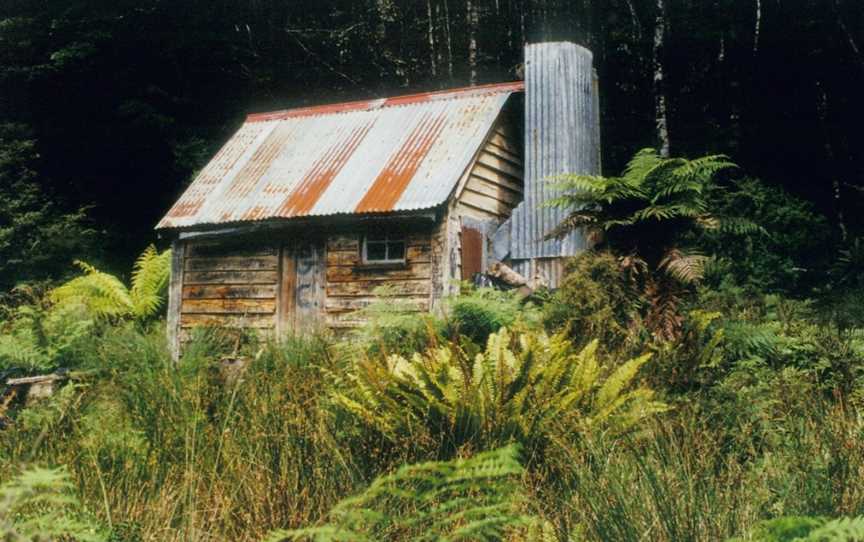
303	213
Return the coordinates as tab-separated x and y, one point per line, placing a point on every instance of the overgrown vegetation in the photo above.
563	417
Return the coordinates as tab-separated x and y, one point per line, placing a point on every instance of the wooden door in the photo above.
301	286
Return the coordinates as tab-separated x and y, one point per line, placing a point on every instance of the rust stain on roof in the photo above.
303	198
391	183
375	156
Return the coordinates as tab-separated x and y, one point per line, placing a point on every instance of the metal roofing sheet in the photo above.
377	156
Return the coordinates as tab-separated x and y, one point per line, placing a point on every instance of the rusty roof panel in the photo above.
377	156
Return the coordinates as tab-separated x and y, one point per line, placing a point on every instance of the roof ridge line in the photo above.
378	103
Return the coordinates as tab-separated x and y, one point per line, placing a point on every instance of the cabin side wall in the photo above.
484	198
222	283
351	285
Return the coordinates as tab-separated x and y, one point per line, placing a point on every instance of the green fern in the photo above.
463	499
105	295
808	529
520	389
38	505
648	214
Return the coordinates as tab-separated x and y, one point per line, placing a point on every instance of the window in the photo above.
384	248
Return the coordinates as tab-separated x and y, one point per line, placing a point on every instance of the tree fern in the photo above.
463	499
650	213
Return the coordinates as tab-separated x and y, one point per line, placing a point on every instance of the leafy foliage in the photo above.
37	237
479	312
645	216
521	389
462	499
809	529
105	295
38	505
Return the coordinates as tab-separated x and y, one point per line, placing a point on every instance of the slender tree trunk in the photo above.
822	111
661	115
472	22
433	65
757	26
448	40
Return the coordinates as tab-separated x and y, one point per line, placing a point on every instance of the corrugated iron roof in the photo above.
377	156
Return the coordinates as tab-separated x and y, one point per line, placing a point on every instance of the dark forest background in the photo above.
108	108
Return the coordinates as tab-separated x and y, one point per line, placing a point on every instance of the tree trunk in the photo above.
822	111
472	22
661	116
433	65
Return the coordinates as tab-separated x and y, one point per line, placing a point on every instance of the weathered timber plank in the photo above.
232	263
239	291
230	277
343	242
493	190
175	297
229	248
366	287
348	274
505	142
414	254
483	202
503	153
257	321
229	306
498	164
348	304
484	172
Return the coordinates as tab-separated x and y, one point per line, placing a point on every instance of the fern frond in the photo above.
103	294
150	277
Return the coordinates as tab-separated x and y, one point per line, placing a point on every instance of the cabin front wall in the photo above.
286	282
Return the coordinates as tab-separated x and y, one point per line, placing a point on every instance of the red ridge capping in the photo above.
367	105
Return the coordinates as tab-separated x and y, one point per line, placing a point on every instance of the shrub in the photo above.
520	389
391	324
594	301
483	311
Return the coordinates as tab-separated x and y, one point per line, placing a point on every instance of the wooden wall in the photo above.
228	285
350	285
494	184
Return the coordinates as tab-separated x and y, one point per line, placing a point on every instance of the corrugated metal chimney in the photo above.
562	135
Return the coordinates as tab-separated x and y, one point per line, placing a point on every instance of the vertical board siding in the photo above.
229	284
350	285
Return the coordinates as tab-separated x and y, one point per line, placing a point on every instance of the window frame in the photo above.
386	239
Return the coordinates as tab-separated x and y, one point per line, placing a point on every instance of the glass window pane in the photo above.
396	250
376	251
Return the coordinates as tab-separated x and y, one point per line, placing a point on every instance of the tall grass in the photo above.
198	452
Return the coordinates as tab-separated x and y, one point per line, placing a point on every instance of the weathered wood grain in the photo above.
366	287
232	263
229	248
175	298
373	273
231	306
348	304
238	291
257	321
231	277
494	162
